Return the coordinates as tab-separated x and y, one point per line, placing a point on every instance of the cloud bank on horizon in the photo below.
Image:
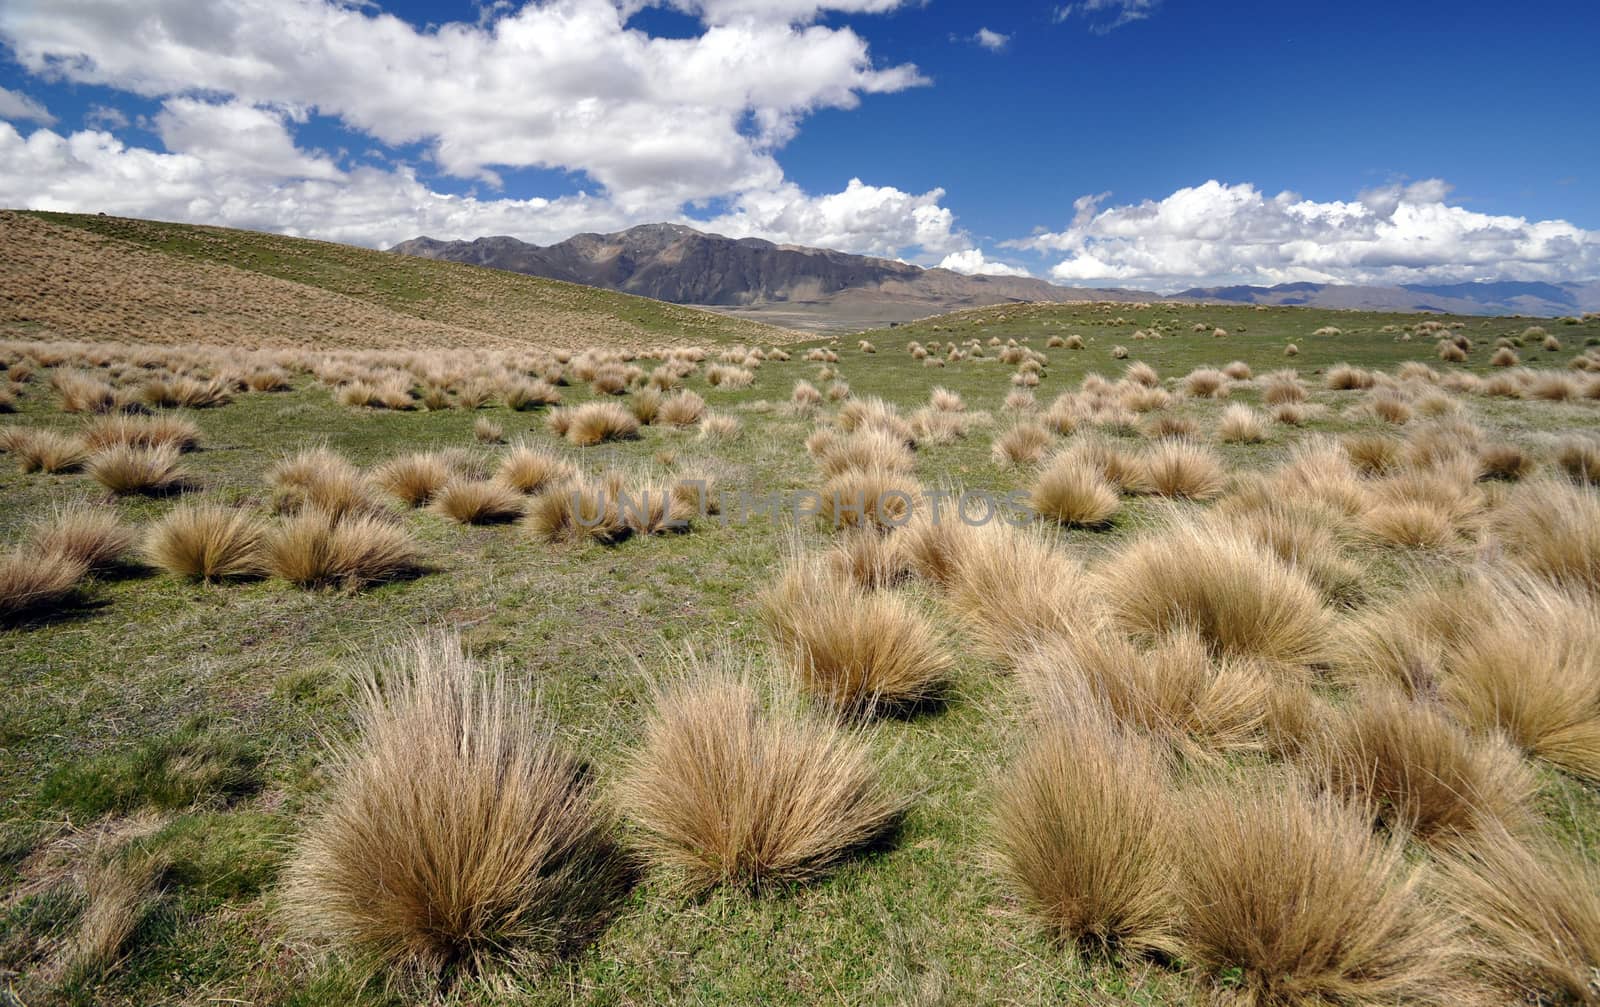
549	119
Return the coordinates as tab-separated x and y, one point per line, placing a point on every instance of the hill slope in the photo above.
76	276
1483	298
809	287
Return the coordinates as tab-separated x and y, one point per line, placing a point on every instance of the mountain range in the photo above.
824	290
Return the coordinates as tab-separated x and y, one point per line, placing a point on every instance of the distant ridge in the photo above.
821	289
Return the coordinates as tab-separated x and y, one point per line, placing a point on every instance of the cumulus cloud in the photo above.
1105	16
973	262
653	122
1216	233
652	127
19	107
991	40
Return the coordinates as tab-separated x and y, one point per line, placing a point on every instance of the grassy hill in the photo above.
79	276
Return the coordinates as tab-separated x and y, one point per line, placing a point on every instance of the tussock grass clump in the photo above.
576	510
1182	468
719	427
1305	533
1296	896
414	478
1290	414
1023	444
530	469
682	409
869	560
478	501
1012	587
1345	378
728	791
1373	454
1423	774
205	542
1529	671
805	397
1206	383
456	834
597	422
31	582
1579	458
323	480
1173	689
127	470
83	393
312	549
1071	490
1239	424
1553	529
1390	408
1410	524
1505	461
857	651
1505	356
487	431
1533	912
1283	387
521	396
1083	837
93	536
862	450
1239	597
872	496
946	401
141	432
43	450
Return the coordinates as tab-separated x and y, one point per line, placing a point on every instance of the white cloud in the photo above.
991	40
654	122
1105	16
973	262
19	107
305	194
1216	233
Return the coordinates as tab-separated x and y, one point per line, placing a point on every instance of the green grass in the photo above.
111	706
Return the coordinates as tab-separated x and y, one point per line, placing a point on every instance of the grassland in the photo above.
184	722
84	276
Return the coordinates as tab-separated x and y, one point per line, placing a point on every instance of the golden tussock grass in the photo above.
1553	529
1238	370
1419	770
43	450
574	511
858	651
478	501
414	478
1013	587
1409	525
1529	671
719	427
530	469
128	470
1083	838
597	422
141	432
1298	899
32	582
1206	383
205	542
1505	461
1533	912
1173	689
727	789
92	535
1182	468
1579	458
1283	388
487	431
1237	595
682	409
1071	490
456	835
83	393
946	401
1023	444
311	549
324	480
868	559
1505	356
1239	424
1343	377
1373	454
1305	533
871	496
646	404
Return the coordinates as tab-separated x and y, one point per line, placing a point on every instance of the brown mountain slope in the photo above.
74	276
788	284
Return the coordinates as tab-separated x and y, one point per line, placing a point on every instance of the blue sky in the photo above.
1154	143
